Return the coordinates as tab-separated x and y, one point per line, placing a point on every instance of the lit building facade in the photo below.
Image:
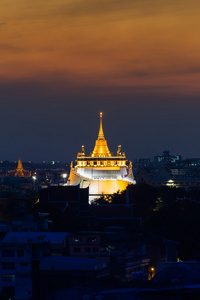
102	172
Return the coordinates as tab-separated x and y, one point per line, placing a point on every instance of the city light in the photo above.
64	176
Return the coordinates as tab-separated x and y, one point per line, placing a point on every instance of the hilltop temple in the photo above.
20	172
102	172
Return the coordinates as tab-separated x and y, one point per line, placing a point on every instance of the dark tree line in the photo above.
169	212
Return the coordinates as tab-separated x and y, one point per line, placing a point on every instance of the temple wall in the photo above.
106	186
103	173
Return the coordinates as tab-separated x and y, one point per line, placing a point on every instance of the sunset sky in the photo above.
64	61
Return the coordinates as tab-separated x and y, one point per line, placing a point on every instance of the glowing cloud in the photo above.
128	44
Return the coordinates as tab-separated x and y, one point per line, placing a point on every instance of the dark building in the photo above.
142	163
17	251
166	159
124	253
64	196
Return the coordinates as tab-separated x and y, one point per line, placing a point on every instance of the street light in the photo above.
34	179
64	176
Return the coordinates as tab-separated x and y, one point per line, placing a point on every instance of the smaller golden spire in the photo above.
83	151
119	151
19	166
19	172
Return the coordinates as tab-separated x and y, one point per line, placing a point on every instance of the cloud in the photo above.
122	43
123	9
10	48
102	11
60	84
176	70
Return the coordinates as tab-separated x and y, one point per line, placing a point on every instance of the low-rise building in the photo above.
61	272
124	256
17	252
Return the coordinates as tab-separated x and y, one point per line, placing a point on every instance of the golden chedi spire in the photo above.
83	151
19	172
19	166
101	147
101	134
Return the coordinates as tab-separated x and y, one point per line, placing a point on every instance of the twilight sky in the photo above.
64	61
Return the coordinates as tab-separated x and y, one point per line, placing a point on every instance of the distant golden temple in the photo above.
20	172
102	172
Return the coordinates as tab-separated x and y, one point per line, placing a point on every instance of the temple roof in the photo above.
101	147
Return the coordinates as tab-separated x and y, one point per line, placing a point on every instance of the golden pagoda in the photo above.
102	172
20	172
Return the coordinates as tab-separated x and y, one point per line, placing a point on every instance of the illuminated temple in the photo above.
102	172
20	172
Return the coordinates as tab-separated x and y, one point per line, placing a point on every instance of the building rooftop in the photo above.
29	237
73	260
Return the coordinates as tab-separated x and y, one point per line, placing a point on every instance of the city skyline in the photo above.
63	62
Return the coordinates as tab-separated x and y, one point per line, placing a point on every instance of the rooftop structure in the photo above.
102	172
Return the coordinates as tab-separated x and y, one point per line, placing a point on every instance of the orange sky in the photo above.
107	43
63	61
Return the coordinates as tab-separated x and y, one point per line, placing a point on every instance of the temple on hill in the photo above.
102	172
20	172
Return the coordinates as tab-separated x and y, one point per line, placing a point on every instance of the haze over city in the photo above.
62	62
